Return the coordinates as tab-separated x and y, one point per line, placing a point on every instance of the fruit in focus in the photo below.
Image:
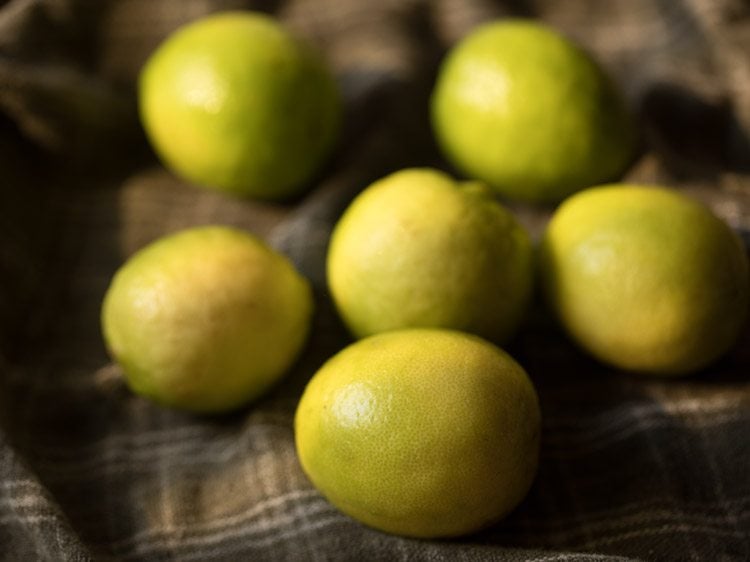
423	433
206	319
521	107
418	249
234	102
645	278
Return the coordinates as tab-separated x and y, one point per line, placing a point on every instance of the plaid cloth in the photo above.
631	467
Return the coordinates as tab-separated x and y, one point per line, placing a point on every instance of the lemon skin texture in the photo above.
422	433
206	319
645	278
522	108
418	249
234	102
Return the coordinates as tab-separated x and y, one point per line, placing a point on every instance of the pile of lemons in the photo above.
424	426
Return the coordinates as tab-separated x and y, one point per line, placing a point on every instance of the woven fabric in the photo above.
631	467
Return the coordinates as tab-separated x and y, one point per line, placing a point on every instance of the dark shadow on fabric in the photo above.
68	110
399	107
49	36
694	137
268	6
520	8
22	256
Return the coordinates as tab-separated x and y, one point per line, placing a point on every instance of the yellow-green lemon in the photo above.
521	107
645	278
206	319
423	433
418	249
234	102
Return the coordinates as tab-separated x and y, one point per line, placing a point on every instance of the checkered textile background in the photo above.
631	468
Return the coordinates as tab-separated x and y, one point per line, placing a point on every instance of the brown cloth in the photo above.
631	467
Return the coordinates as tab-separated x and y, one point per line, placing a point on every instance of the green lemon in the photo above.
423	432
206	319
524	109
418	249
234	102
645	278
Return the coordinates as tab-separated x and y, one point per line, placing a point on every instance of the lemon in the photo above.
418	249
206	319
645	278
524	109
423	432
234	102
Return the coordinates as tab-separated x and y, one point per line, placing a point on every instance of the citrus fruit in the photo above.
421	432
418	249
234	102
524	109
645	278
206	319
